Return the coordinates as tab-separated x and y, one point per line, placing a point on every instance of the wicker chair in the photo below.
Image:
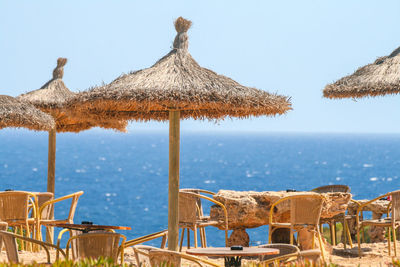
287	253
191	217
139	240
201	216
14	209
305	212
338	218
162	257
45	211
11	247
392	221
95	245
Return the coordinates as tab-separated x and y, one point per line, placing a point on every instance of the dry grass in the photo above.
379	78
15	113
176	82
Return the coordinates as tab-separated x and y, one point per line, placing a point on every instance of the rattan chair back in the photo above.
341	188
14	205
43	197
188	207
95	245
164	258
305	209
396	205
284	249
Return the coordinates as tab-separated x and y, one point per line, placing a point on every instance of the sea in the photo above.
125	176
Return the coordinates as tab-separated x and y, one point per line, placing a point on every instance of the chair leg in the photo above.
270	235
188	237
346	226
358	241
394	241
332	230
182	234
389	239
195	236
321	244
291	236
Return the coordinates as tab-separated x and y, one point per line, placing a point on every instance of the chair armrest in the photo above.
50	202
139	249
145	238
361	206
288	257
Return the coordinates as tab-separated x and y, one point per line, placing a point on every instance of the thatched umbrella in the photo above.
51	98
379	78
177	87
15	113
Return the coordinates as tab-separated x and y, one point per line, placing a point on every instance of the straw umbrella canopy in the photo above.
17	114
52	98
379	78
177	87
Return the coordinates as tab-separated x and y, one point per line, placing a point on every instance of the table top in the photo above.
226	251
89	226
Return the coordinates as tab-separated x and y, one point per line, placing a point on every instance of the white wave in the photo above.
373	179
146	209
365	165
338	178
35	169
209	181
389	179
108	194
80	170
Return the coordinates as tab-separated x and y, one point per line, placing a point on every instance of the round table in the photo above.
232	257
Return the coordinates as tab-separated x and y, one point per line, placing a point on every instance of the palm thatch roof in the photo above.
52	98
177	82
379	78
15	113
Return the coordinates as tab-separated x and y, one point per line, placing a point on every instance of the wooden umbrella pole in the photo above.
51	177
173	192
51	167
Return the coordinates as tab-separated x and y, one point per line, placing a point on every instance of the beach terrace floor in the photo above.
376	254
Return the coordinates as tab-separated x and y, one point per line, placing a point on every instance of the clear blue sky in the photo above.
293	48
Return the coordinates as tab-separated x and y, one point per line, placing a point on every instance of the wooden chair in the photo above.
305	212
338	218
10	242
95	245
392	221
162	257
190	217
14	209
139	240
46	216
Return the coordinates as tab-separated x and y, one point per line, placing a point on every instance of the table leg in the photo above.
233	261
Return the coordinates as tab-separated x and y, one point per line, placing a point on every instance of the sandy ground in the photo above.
374	255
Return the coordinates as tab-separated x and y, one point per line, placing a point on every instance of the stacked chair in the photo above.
342	217
191	215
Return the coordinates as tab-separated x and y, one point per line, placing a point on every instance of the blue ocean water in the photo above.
125	176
